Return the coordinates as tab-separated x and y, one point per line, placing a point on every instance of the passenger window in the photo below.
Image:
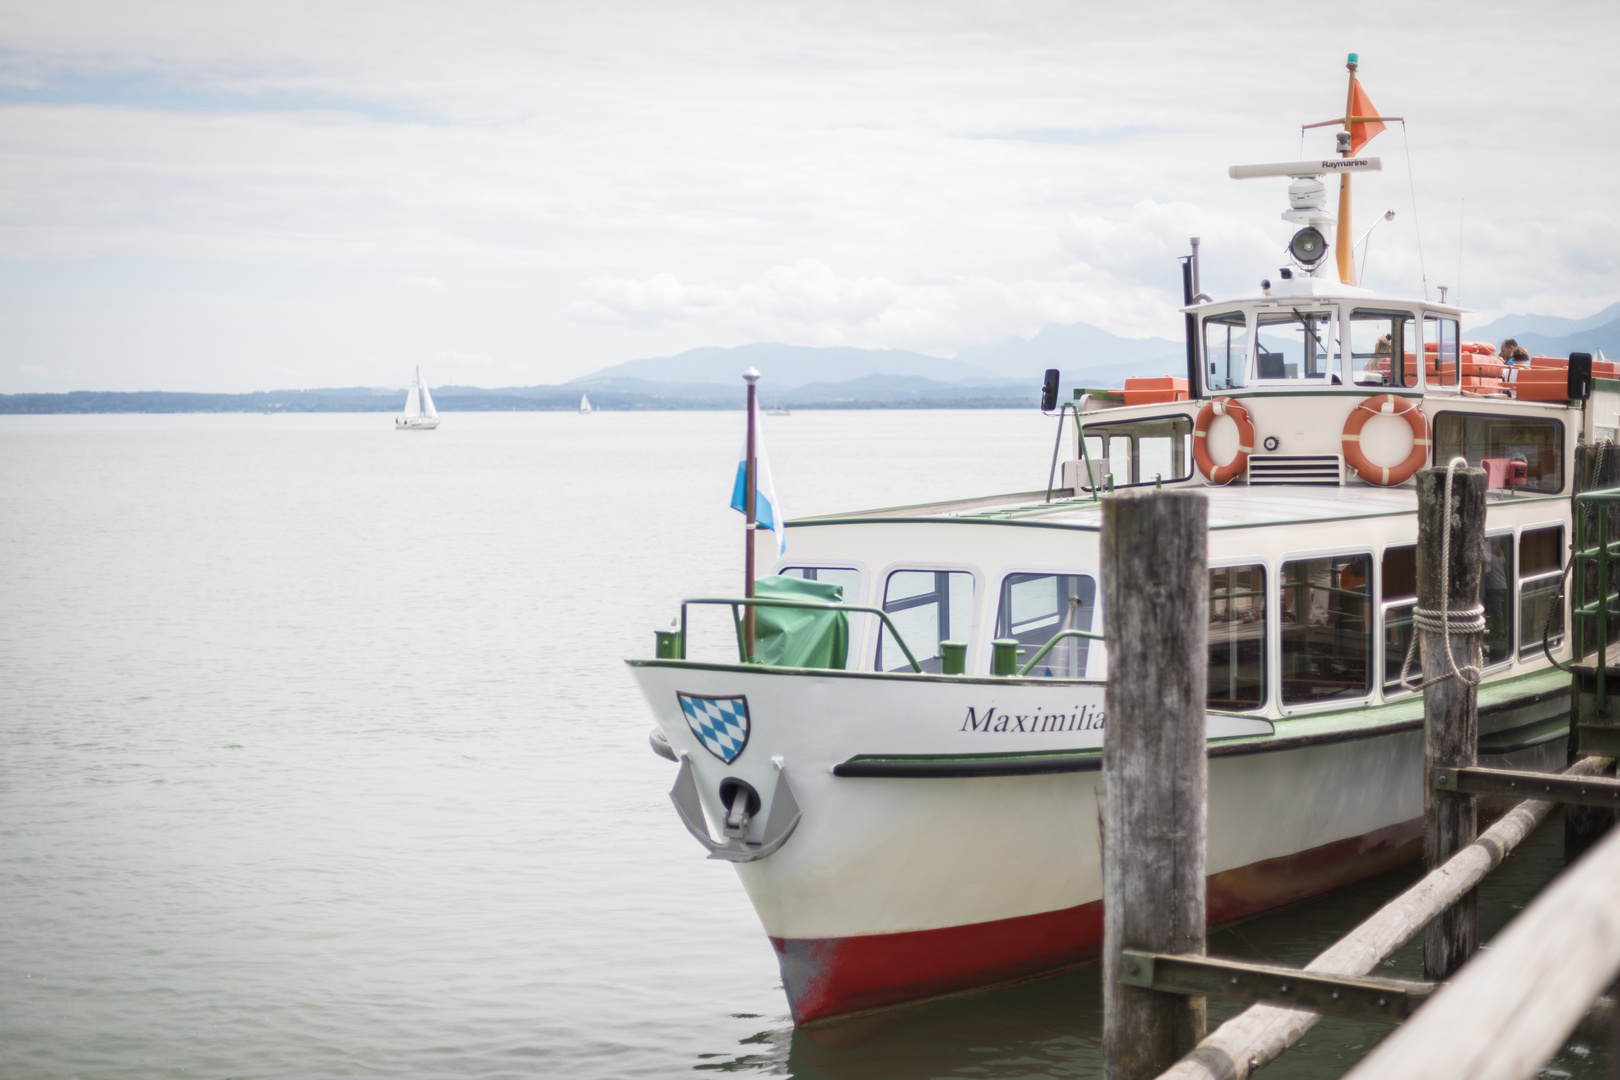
1237	637
1541	570
845	577
1326	639
1034	607
1382	348
1296	345
1226	349
1496	590
1400	597
927	607
1142	451
1440	351
1515	452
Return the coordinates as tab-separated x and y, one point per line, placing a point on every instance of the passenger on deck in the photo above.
1506	349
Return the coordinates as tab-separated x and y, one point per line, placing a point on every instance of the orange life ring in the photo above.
1386	405
1222	474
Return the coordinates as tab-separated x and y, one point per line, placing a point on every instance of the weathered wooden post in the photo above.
1450	557
1155	571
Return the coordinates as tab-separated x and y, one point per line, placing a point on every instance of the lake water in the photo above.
318	758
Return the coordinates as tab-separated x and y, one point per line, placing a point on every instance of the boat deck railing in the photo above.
1596	558
672	642
676	649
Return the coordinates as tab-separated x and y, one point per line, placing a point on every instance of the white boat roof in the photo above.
1235	507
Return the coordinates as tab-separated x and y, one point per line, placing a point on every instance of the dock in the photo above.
1496	1014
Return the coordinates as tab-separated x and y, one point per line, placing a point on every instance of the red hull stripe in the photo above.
826	977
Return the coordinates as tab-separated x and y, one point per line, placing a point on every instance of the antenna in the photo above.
1461	212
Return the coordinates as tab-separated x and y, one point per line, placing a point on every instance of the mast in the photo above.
1347	261
750	484
413	400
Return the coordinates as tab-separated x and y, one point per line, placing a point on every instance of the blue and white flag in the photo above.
767	509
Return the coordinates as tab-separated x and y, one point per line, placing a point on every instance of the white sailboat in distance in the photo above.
584	404
420	415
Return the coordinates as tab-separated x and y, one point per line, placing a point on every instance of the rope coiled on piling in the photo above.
1446	620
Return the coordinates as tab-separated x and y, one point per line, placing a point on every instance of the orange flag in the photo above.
1361	134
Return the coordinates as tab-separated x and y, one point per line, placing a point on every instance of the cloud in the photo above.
32	369
914	175
807	303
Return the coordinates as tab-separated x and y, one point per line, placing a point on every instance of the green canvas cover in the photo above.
796	637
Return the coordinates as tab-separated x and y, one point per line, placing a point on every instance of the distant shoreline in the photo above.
95	402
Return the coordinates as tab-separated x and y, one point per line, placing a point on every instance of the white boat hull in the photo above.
908	876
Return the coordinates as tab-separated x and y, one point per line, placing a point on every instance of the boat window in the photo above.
1237	637
1226	349
1399	598
927	607
1496	591
1383	348
1139	451
1296	345
1440	351
1034	607
1499	444
845	577
1326	639
1541	571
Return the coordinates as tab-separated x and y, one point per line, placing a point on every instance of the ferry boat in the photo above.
905	767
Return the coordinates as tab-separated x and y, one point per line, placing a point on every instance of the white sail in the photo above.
584	403
413	405
427	403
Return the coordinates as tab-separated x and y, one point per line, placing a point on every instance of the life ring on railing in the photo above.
1386	405
1222	474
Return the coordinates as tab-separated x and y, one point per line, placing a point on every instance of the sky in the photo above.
231	196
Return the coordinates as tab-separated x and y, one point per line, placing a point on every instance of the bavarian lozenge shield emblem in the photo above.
720	723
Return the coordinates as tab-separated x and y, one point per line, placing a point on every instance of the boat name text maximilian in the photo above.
1089	718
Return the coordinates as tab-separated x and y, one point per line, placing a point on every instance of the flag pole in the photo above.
1347	262
750	490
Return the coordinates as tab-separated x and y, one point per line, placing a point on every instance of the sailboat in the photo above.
420	415
584	404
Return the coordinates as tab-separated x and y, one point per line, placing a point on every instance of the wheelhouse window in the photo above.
1226	349
1296	345
1496	592
1515	452
1034	607
1142	451
1541	571
1440	351
927	607
845	577
1383	348
1237	637
1326	636
1396	605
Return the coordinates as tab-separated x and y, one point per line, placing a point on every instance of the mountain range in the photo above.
999	376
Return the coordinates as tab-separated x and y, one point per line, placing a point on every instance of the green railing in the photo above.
672	643
1593	559
1057	637
737	603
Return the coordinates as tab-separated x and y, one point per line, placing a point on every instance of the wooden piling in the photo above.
1450	701
1155	560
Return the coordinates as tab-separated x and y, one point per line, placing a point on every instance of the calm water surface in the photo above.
317	757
